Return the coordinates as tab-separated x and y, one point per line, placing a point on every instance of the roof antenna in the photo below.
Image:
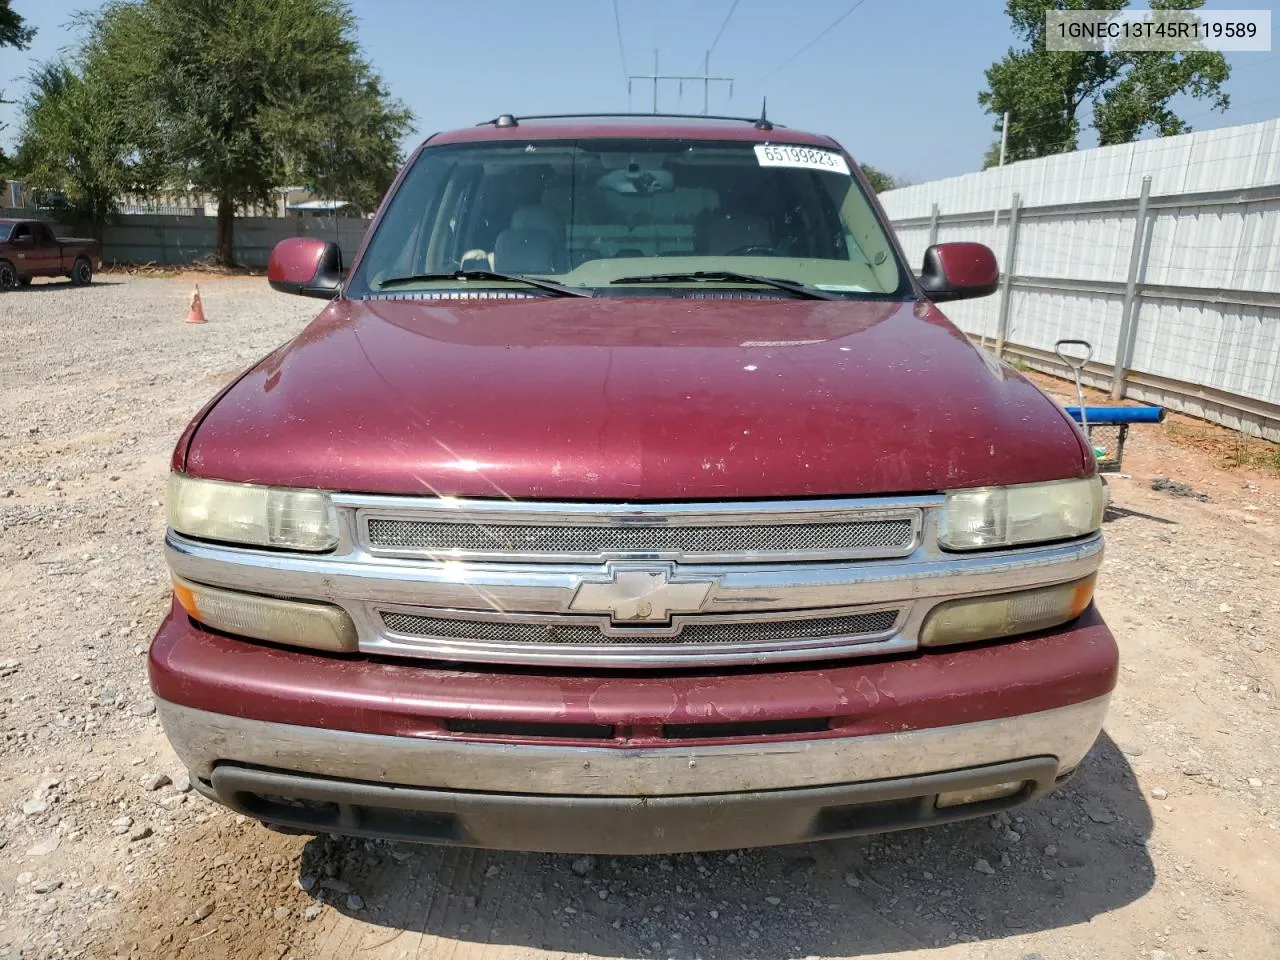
763	123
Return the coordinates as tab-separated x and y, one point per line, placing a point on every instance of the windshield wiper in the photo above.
729	276
559	289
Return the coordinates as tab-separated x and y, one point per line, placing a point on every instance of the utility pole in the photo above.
705	78
1004	143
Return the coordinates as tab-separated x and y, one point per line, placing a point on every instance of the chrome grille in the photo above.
841	539
693	633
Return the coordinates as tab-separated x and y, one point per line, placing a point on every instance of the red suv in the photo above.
631	494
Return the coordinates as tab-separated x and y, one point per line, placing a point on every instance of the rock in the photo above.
44	847
145	708
1099	814
156	781
174	802
1255	782
1179	489
1132	750
25	877
47	908
1161	955
1012	836
773	901
204	912
1159	793
492	871
46	886
1051	851
1224	608
307	881
182	782
582	865
34	806
851	880
140	832
982	866
121	825
355	902
602	893
312	911
1193	770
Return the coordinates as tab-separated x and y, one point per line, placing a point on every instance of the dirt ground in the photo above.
1166	844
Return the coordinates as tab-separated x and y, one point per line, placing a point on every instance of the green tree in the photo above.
235	98
1129	92
880	181
76	142
14	31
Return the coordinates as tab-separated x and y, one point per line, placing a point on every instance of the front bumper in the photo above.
370	747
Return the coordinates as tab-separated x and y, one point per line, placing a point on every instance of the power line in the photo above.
727	17
838	20
622	52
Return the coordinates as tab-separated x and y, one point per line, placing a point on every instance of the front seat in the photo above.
722	232
534	243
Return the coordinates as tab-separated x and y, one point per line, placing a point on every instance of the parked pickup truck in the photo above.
29	249
630	495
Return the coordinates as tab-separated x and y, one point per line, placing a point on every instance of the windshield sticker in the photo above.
842	287
806	158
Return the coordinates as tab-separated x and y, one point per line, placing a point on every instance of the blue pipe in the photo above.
1116	415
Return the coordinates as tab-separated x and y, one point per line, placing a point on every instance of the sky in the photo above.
895	81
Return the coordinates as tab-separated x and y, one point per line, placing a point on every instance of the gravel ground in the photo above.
1166	845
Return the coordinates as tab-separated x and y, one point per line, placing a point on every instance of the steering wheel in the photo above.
751	248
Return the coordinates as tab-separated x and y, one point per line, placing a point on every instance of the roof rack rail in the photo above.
511	120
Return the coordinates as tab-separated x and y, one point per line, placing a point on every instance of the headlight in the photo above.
249	514
1005	614
987	517
298	623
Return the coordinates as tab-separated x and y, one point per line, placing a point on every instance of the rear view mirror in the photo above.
958	271
306	266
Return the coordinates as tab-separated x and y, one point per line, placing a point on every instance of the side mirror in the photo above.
959	271
306	266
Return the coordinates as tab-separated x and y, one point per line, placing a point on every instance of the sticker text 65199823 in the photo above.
808	158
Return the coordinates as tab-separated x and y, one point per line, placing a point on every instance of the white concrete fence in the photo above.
1164	254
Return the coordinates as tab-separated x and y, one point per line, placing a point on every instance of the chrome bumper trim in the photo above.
203	739
366	586
550	588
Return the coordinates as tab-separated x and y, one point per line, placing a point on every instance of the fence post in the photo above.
1129	309
933	225
1006	281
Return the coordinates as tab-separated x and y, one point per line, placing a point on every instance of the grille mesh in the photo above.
490	538
745	631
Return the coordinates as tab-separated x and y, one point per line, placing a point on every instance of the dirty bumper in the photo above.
607	800
373	747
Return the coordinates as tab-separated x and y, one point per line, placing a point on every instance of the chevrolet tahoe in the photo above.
631	494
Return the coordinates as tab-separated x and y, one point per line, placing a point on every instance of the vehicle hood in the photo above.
633	398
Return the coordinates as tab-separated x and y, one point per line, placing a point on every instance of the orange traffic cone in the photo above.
195	312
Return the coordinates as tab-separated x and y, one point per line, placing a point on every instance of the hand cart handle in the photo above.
1075	363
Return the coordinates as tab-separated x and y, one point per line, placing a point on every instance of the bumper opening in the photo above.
616	825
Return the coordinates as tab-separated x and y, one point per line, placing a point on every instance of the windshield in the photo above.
4	231
604	214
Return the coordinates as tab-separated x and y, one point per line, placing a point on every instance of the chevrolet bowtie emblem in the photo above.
648	593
